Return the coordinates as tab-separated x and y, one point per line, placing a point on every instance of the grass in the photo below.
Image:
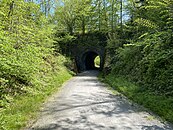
160	105
26	107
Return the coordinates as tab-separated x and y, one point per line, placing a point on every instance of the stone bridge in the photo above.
85	57
86	48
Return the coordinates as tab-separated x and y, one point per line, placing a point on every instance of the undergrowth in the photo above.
159	104
21	108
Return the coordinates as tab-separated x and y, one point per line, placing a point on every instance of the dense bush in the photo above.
148	62
147	54
156	66
26	44
18	66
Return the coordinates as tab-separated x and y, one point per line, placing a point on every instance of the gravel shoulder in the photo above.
84	103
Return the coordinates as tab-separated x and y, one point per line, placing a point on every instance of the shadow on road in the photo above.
85	104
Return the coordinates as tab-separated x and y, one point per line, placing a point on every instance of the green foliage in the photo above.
148	62
18	66
68	44
143	54
147	51
161	105
25	42
126	61
29	70
72	13
63	43
156	65
82	16
97	61
25	107
146	23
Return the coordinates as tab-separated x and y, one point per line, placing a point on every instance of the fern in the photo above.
147	23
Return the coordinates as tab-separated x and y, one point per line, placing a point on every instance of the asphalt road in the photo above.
84	103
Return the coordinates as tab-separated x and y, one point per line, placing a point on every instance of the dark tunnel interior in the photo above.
89	60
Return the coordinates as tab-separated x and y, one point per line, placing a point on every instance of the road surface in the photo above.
84	103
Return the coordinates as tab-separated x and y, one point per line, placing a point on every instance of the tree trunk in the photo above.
83	25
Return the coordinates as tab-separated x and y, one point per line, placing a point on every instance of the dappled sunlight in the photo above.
85	103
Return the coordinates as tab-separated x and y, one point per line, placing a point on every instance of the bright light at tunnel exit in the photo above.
97	62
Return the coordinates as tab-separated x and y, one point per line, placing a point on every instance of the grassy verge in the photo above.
161	105
26	106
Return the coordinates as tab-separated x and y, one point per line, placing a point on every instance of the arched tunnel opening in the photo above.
91	61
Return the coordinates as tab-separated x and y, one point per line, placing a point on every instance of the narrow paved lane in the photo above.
84	103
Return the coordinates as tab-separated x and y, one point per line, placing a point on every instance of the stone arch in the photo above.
85	59
88	60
